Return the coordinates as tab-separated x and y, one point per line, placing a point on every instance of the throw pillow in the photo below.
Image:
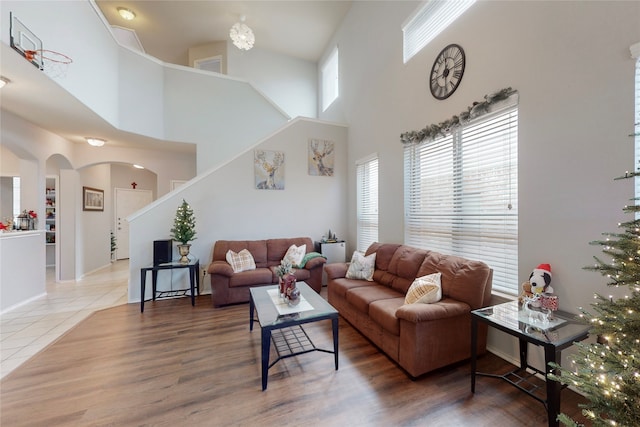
295	254
241	261
425	290
361	266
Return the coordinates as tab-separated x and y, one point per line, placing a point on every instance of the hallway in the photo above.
28	329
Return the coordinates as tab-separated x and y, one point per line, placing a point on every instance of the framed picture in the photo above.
92	199
269	170
320	157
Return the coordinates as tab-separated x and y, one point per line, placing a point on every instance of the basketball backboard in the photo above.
23	40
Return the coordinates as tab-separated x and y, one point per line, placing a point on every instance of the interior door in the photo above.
128	201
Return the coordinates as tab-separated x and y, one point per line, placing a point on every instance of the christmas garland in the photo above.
434	131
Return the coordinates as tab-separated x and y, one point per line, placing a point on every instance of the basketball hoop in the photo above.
54	64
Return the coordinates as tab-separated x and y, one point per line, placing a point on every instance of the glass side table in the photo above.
554	335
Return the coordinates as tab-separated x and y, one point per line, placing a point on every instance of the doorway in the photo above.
127	201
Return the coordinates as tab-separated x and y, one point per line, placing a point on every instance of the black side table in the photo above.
554	336
194	279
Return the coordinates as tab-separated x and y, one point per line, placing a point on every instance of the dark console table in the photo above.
194	280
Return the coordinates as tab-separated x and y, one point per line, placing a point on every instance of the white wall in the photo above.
222	115
94	250
227	205
123	175
81	251
290	82
74	29
570	63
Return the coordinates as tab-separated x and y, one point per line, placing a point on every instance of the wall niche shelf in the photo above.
50	221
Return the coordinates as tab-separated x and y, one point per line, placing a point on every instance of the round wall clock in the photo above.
447	71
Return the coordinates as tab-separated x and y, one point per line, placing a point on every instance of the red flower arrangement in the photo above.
33	214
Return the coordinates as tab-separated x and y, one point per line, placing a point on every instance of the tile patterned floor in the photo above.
28	329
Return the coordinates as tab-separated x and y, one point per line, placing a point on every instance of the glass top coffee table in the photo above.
283	323
530	326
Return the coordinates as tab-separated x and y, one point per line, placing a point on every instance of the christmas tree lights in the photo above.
184	224
607	372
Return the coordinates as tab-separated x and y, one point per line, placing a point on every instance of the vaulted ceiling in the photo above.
167	29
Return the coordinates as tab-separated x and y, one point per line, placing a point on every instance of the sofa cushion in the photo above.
363	296
342	285
425	290
277	248
361	266
259	276
240	261
384	253
295	254
383	312
458	274
403	267
258	249
443	309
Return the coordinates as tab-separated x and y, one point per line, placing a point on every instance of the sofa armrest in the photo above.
425	312
336	270
220	267
315	263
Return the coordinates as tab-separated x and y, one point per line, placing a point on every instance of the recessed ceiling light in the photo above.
96	142
3	81
127	14
138	167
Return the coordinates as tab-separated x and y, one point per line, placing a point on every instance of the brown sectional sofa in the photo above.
419	337
228	287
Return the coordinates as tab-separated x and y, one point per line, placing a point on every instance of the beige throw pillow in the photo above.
241	261
425	290
361	266
295	254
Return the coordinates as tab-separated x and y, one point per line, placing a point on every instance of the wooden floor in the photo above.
176	365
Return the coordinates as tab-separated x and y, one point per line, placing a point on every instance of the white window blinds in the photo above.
367	204
461	194
429	21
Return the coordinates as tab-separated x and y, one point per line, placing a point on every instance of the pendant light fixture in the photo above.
241	35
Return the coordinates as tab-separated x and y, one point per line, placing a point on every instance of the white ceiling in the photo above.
166	30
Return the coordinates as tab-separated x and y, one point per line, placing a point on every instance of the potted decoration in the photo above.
283	271
184	230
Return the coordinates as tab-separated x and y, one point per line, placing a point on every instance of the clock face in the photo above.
447	71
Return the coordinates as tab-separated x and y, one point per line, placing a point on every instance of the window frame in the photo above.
427	22
330	78
367	229
443	217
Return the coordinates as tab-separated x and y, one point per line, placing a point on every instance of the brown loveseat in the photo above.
419	337
228	287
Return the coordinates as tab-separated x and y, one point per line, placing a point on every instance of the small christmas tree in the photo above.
607	372
184	224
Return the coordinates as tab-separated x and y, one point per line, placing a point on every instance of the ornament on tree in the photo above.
607	372
184	224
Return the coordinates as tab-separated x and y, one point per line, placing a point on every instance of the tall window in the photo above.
428	21
367	209
330	86
461	194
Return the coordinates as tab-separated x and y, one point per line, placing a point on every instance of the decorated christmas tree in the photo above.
607	372
184	224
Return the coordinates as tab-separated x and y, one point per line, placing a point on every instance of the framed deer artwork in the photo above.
269	170
320	157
